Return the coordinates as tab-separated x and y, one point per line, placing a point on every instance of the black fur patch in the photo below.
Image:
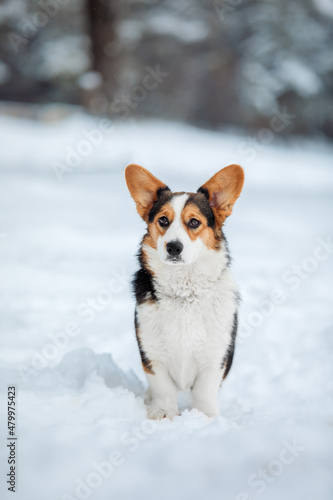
204	192
227	360
163	196
144	358
142	283
226	249
143	286
201	201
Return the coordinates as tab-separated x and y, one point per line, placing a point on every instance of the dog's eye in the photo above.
163	221
194	223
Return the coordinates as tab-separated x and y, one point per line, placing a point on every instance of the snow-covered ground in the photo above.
68	238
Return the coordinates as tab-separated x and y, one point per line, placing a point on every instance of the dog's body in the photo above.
186	312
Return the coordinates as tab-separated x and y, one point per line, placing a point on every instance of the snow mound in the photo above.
76	367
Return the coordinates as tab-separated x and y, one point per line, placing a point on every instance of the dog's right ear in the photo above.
143	187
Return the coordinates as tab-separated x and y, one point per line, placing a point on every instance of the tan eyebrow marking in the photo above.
154	228
207	234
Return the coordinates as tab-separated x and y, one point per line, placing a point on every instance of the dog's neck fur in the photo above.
187	281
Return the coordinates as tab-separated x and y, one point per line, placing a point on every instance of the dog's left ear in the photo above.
143	187
223	189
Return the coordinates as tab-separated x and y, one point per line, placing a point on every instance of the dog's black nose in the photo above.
174	248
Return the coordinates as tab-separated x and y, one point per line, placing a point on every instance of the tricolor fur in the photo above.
186	299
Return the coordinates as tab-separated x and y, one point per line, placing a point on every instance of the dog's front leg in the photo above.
163	394
205	391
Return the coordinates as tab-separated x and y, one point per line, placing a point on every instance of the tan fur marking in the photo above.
203	231
154	228
148	369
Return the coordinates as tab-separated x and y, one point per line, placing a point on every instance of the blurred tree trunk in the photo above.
101	22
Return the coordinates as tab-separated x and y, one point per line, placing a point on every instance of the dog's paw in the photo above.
211	413
157	413
209	410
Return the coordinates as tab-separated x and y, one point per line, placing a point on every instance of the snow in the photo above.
161	23
67	249
188	31
299	76
324	6
90	80
64	56
9	9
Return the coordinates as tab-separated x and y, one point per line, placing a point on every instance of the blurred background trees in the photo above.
225	62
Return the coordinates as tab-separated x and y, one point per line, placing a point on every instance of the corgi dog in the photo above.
186	298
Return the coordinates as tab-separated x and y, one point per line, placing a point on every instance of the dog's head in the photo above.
182	226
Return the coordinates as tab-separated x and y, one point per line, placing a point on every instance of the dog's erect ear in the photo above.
143	187
223	190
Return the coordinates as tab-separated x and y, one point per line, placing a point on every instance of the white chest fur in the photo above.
189	327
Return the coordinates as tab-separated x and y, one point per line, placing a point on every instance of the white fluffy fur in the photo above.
186	333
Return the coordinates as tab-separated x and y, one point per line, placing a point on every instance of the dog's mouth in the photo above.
174	260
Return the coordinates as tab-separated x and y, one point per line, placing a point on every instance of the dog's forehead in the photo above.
178	203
